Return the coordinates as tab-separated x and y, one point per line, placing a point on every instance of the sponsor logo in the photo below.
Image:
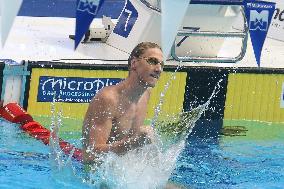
259	5
91	6
259	20
71	89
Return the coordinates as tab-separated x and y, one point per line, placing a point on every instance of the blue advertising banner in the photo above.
85	13
258	15
71	89
282	97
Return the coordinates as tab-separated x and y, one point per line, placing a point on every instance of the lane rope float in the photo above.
14	113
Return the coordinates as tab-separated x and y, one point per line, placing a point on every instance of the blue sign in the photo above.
126	20
71	89
85	13
258	15
282	97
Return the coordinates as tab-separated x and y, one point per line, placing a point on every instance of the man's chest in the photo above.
126	118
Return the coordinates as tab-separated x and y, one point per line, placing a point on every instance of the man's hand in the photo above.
148	133
133	141
144	136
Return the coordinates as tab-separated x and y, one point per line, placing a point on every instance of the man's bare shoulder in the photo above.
107	95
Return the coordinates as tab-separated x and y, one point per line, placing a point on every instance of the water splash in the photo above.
56	153
178	127
147	167
162	96
151	166
61	164
144	168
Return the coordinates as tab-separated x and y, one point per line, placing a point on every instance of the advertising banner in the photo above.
71	89
282	97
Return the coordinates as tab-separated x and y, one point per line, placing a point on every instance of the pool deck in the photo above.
47	39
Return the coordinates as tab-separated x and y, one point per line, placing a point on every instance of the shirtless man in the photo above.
114	119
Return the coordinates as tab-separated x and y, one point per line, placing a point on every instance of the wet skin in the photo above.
115	116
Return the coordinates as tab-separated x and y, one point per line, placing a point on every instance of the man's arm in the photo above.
97	126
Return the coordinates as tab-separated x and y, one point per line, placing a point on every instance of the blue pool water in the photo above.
222	162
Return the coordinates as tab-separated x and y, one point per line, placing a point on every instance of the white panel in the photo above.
9	10
146	28
214	18
13	89
173	13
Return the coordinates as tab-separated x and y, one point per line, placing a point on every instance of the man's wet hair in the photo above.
140	49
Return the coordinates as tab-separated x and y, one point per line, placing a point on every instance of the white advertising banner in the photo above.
276	30
282	97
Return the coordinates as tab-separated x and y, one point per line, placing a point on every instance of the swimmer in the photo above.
115	117
114	121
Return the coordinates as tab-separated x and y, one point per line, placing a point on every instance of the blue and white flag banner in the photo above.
85	13
258	15
9	10
173	12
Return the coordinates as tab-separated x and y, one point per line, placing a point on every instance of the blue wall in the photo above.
65	8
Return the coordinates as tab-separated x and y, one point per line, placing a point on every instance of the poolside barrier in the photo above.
14	113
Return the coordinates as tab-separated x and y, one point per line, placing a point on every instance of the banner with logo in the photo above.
258	15
71	89
85	13
276	30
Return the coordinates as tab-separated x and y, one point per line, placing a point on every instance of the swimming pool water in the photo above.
224	162
242	164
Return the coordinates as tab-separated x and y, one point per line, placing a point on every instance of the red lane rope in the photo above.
14	113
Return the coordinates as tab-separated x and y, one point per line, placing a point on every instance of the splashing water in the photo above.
148	167
60	163
140	169
178	127
151	166
56	153
162	95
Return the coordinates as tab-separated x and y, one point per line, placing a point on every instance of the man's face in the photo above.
149	66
